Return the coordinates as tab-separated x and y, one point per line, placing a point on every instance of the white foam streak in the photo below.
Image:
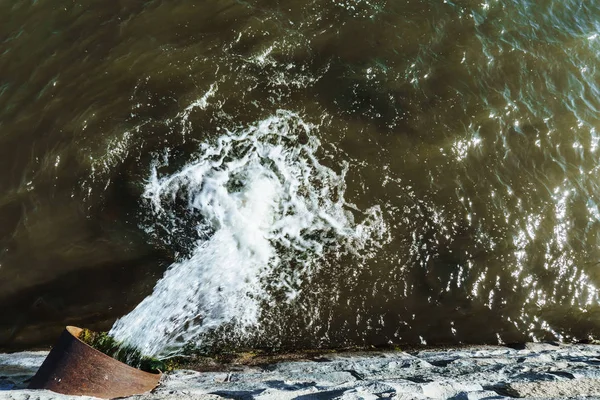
262	197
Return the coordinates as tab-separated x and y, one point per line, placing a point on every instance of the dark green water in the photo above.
474	126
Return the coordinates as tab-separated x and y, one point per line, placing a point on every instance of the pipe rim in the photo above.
75	331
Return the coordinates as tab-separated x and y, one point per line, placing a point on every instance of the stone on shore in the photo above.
540	371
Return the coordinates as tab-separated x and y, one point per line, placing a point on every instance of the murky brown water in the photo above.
472	125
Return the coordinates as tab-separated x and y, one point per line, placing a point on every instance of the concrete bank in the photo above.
541	371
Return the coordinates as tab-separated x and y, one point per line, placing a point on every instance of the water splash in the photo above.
255	198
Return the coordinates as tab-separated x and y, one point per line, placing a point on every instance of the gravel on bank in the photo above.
541	371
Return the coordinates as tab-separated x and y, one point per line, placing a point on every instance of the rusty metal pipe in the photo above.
74	368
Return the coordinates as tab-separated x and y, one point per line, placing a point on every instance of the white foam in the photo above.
256	198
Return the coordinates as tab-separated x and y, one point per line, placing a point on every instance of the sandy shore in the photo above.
540	371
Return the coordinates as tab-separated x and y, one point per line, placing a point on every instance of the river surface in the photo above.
307	173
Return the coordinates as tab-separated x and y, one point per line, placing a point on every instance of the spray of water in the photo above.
255	198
